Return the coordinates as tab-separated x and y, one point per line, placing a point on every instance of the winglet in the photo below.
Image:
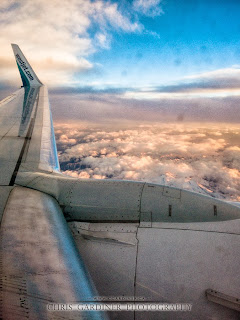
29	78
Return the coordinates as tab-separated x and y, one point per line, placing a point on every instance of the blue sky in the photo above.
189	37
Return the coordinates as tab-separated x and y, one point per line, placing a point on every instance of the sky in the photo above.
121	65
135	46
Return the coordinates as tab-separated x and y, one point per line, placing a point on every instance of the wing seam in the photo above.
25	144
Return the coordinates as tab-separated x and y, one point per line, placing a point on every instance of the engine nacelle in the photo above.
128	201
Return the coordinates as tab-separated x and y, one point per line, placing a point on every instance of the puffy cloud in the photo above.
65	140
188	156
58	34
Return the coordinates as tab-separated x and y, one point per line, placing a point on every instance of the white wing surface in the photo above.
39	263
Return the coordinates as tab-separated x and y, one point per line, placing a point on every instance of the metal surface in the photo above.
165	265
10	143
223	299
168	204
4	194
179	265
26	136
42	153
129	201
112	264
39	261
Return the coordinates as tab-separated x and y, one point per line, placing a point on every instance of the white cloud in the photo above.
103	40
55	35
218	83
186	156
149	8
119	21
232	72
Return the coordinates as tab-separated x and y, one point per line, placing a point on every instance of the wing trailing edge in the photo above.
29	77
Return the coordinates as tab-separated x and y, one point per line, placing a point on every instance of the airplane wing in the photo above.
39	262
134	241
27	135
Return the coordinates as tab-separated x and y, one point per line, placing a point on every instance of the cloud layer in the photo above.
115	105
201	158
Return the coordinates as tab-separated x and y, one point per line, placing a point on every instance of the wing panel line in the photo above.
24	147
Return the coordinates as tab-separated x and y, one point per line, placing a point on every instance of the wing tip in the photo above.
29	77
